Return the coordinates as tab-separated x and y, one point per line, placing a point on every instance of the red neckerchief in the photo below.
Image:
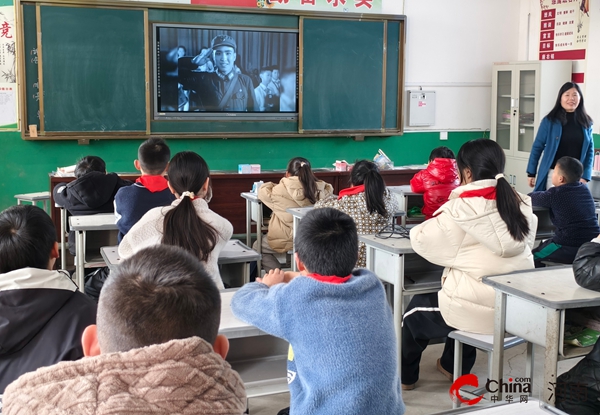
153	183
487	193
351	191
329	279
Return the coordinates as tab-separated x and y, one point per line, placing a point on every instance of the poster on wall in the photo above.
8	73
564	33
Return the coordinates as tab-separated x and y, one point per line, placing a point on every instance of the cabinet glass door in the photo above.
527	105
503	110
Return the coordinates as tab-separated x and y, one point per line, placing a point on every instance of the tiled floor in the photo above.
431	394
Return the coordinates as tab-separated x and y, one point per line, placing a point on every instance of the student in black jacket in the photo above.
42	314
572	212
578	390
92	192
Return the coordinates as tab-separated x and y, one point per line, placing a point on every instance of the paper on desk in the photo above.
65	171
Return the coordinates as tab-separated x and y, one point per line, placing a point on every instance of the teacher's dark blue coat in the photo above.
547	141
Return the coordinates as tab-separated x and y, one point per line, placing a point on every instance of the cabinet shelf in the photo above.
531	87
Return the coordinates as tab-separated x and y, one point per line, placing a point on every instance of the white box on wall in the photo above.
421	108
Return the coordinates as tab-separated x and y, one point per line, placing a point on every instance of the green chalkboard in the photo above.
342	75
393	72
93	69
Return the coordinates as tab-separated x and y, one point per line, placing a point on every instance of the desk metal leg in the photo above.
295	224
259	225
80	260
399	307
248	223
551	355
499	329
529	370
63	239
246	276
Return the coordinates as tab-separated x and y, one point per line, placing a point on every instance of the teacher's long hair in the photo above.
485	158
182	226
558	113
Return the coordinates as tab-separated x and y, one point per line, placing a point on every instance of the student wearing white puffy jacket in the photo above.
485	228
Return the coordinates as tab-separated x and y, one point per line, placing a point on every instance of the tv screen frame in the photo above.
189	84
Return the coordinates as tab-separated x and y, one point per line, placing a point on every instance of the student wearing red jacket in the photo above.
436	181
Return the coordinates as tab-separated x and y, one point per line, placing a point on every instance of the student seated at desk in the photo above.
299	188
343	353
367	201
188	222
578	390
155	349
572	212
485	228
93	191
436	181
150	190
42	313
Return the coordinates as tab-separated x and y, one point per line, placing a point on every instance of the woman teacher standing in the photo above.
565	131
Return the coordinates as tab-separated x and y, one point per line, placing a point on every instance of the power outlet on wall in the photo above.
443	135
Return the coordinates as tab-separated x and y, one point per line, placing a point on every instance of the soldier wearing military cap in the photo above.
226	89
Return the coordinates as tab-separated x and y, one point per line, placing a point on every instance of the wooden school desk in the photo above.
81	225
394	261
259	358
532	304
234	253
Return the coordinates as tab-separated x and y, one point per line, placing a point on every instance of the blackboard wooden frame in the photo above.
391	96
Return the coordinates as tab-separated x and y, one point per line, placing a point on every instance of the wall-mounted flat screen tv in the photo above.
216	73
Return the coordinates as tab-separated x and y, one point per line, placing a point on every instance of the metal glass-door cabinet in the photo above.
522	94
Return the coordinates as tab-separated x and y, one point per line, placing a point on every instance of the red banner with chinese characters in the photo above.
564	29
8	70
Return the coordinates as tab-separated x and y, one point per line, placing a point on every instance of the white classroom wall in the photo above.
451	46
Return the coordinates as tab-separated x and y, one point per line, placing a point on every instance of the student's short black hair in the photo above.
27	236
442	152
327	242
159	294
570	168
154	155
89	163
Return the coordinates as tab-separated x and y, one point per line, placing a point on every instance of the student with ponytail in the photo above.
299	188
188	222
367	201
485	228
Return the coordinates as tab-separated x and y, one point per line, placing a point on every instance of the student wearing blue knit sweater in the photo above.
343	352
150	190
572	212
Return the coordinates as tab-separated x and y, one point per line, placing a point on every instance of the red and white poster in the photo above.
8	73
564	33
